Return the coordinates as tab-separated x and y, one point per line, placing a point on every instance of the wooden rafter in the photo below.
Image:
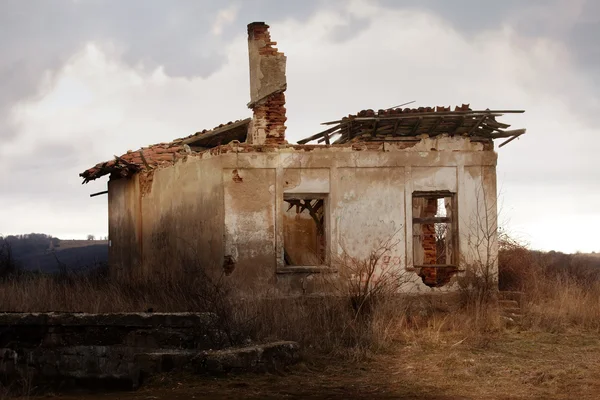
476	124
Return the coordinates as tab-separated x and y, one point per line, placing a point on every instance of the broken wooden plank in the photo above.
495	113
401	105
505	134
127	163
495	124
512	138
200	138
476	125
99	193
319	135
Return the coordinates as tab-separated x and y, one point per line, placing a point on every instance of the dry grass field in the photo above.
385	348
505	365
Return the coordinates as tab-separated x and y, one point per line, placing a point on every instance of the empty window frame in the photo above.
434	229
304	230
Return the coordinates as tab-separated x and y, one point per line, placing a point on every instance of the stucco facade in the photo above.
208	206
240	201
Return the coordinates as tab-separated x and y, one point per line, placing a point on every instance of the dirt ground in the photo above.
505	366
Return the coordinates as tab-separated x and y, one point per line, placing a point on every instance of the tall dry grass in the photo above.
561	291
327	324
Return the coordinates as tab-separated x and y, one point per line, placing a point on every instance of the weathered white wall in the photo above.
231	203
124	228
168	222
250	221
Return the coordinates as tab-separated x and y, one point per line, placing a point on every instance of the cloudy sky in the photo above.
82	80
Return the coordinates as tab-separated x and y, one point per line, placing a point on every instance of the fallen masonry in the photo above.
119	351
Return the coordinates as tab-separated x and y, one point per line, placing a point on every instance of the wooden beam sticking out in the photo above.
339	121
319	135
206	136
476	125
495	124
125	161
401	105
505	134
99	193
512	138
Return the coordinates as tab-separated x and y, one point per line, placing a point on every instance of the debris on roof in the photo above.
398	123
152	156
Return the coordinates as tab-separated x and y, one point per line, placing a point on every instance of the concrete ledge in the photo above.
268	357
21	331
133	320
119	350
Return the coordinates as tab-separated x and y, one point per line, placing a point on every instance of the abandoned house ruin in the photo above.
240	200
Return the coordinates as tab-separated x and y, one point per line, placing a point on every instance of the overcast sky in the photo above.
83	80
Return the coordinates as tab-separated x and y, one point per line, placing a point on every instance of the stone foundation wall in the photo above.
120	350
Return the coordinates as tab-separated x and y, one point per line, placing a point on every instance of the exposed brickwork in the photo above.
429	242
269	113
436	276
269	119
260	31
145	158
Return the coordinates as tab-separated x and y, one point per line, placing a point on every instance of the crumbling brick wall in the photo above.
267	84
429	239
269	117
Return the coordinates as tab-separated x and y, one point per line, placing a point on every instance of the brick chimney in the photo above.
267	84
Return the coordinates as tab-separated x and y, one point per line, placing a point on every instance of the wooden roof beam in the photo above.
320	134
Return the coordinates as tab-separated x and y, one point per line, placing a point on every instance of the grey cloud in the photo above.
574	23
350	29
578	28
38	37
584	38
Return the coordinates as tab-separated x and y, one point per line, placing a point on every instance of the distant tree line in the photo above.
30	243
8	263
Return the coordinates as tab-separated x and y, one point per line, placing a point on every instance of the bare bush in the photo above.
479	285
370	280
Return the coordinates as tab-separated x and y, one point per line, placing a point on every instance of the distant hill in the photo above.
40	252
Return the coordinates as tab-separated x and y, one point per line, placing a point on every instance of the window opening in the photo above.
304	242
434	236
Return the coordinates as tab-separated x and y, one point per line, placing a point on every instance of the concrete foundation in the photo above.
119	351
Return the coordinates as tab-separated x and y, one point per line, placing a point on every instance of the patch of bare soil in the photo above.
507	366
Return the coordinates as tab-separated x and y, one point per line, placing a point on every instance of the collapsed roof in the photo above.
399	124
157	154
267	86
